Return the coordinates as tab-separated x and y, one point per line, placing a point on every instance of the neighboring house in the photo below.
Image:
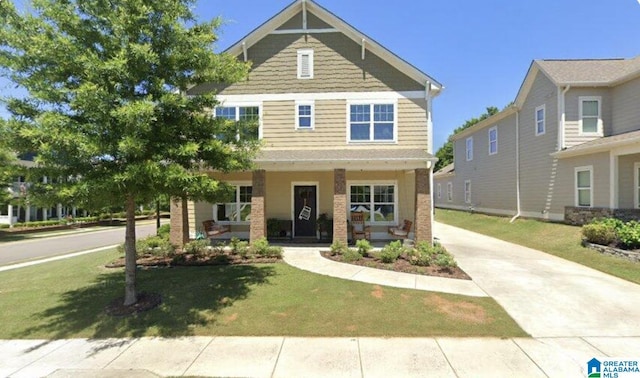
346	126
567	149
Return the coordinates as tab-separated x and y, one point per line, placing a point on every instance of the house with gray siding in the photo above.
345	126
567	149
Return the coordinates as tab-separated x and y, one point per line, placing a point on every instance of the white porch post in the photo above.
45	215
74	210
613	180
10	212
59	211
27	214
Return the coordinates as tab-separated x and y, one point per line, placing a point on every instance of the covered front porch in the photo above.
289	197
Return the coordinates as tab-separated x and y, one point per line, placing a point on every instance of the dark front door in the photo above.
304	210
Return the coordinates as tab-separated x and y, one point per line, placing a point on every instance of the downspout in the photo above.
433	208
518	212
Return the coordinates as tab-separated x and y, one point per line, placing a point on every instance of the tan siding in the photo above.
536	165
572	114
566	186
330	129
338	67
625	107
627	185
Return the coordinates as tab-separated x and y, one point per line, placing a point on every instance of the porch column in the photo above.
179	234
258	228
423	215
10	212
45	215
340	205
59	211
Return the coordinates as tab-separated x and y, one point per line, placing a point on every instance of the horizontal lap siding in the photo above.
626	177
566	185
572	114
626	107
338	67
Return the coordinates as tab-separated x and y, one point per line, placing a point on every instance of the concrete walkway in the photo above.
547	296
309	357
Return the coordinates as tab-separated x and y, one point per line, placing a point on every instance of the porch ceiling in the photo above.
329	159
622	144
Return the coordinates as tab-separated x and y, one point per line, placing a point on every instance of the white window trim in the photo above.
636	187
313	115
243	105
449	192
301	53
544	120
376	183
371	103
467	191
468	148
235	184
599	131
494	128
583	169
439	191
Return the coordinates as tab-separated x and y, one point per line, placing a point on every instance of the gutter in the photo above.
518	210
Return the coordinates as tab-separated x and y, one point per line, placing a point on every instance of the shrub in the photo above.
262	248
351	255
198	248
164	231
152	245
363	246
338	248
391	252
239	247
445	261
599	233
629	235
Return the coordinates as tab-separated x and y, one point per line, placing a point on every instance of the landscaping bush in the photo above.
363	247
629	235
338	248
445	260
262	248
239	247
599	233
164	231
198	248
351	255
153	245
391	252
609	231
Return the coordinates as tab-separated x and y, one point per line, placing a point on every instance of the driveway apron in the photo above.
547	296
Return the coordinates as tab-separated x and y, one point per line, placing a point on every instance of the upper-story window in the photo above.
305	114
540	120
305	64
493	140
247	118
372	123
590	115
469	149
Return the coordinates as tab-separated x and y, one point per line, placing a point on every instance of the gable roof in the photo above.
340	25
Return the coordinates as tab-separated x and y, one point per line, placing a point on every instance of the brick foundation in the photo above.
179	234
423	212
258	228
340	205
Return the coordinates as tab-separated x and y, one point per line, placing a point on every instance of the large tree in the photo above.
445	153
105	109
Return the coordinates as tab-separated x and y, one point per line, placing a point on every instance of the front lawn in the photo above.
66	299
557	239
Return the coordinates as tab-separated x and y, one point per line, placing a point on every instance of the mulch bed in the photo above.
150	261
402	265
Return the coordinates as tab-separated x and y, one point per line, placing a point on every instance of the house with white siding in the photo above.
567	149
345	125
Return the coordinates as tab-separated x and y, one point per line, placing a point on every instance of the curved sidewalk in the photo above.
309	259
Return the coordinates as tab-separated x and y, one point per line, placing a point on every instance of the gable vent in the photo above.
305	64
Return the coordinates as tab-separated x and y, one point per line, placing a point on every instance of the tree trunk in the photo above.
130	295
157	215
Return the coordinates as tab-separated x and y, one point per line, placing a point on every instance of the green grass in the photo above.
557	239
66	298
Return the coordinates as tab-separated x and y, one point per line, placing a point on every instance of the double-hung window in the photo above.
238	207
377	201
469	148
372	122
305	114
467	191
439	191
493	140
540	120
449	191
636	186
246	118
584	186
590	115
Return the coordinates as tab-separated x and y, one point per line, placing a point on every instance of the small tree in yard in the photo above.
105	108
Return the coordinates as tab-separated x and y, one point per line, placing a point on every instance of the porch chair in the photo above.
401	232
358	229
211	228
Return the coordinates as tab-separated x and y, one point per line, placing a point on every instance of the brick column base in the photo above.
179	234
340	206
258	228
424	213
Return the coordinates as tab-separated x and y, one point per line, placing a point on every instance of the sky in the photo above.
479	50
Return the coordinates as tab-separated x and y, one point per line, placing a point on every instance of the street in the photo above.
27	250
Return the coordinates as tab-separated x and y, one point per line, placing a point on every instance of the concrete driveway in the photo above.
547	296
